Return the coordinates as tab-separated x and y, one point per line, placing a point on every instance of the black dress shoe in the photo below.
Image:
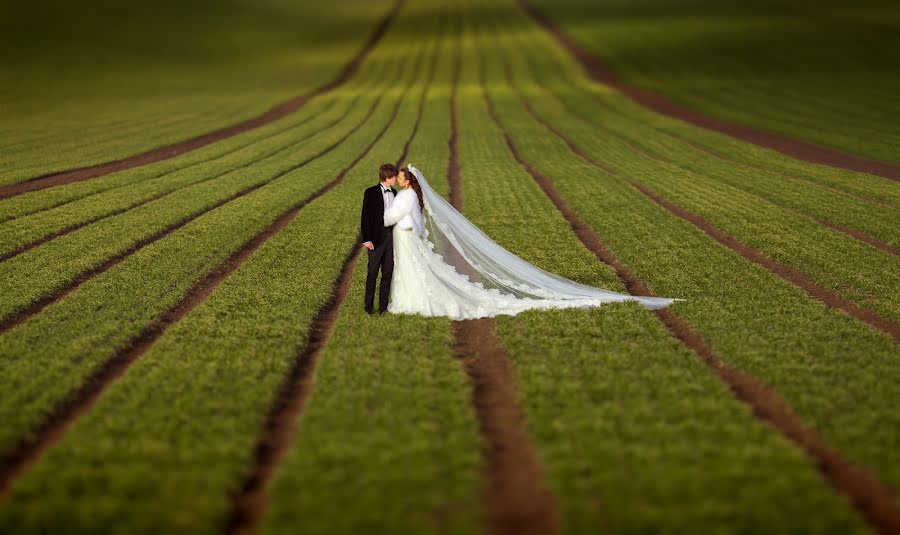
369	311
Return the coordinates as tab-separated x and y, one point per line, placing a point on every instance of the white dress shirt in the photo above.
388	196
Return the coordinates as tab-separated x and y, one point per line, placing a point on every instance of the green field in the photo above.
183	346
819	70
101	81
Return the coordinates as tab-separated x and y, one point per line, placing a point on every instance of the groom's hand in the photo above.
369	245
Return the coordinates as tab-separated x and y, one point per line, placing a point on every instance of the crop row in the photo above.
798	195
41	200
233	351
38	200
25	163
619	113
152	278
281	146
781	70
389	427
50	93
620	411
849	268
64	259
832	369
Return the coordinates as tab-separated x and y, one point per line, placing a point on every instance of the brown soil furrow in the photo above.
855	234
453	173
795	148
432	69
516	499
176	149
872	498
876	243
30	449
78	226
250	501
281	424
59	294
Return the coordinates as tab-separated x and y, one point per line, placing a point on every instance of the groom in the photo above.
378	239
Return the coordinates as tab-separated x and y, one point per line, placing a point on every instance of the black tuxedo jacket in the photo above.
371	226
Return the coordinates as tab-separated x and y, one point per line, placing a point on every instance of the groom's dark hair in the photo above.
387	171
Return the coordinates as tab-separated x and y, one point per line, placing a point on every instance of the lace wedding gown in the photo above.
445	266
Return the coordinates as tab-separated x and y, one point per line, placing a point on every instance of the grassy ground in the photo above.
819	71
101	81
633	430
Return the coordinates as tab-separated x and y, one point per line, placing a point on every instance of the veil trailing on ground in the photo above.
470	252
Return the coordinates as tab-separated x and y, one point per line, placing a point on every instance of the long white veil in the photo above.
470	252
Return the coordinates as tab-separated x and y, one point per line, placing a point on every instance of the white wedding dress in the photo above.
445	266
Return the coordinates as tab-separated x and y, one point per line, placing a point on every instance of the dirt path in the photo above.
29	450
177	149
872	498
795	148
515	498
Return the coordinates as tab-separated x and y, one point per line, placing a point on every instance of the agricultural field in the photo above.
183	347
821	70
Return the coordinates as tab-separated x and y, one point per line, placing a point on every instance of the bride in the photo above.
445	266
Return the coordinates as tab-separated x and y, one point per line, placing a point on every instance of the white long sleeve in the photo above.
405	212
401	206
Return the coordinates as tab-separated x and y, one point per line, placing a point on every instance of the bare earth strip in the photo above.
516	498
871	497
170	151
794	148
53	429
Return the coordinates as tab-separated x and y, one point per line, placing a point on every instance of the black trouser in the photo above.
381	258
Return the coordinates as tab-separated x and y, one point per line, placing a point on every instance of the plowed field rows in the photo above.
183	346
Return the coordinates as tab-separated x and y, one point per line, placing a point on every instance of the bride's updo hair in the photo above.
414	182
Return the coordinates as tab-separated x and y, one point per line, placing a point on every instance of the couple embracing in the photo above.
435	262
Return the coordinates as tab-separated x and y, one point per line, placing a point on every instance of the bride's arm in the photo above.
399	208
